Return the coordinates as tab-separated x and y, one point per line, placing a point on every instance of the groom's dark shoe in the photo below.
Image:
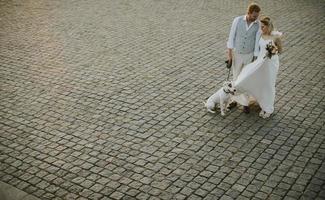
246	109
232	105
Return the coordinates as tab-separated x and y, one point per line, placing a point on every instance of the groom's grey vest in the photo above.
245	40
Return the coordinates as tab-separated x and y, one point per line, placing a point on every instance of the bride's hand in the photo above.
275	50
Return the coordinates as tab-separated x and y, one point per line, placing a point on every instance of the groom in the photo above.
243	44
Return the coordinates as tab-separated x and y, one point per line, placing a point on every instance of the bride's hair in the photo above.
267	22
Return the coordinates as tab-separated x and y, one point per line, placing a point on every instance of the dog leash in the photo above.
228	65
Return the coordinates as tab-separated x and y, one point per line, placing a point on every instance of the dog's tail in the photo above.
208	109
211	111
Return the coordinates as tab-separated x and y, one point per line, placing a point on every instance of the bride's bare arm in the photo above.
278	44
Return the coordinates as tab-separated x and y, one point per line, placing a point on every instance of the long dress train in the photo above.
257	79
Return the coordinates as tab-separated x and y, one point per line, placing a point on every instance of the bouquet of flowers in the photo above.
270	50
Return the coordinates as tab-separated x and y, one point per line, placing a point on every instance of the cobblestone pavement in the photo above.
8	192
103	100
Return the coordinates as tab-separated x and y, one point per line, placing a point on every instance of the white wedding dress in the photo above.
257	79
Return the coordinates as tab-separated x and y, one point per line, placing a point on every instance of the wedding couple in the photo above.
254	66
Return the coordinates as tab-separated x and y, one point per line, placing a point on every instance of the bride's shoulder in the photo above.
276	34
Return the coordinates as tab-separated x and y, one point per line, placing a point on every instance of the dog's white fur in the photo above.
222	96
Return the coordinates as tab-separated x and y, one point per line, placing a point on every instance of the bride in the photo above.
257	79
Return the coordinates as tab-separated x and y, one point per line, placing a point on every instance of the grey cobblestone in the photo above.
103	100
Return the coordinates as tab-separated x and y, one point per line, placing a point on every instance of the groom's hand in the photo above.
229	63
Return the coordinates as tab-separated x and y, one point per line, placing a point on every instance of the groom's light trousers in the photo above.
238	63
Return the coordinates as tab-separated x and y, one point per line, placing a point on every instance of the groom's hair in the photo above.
253	7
